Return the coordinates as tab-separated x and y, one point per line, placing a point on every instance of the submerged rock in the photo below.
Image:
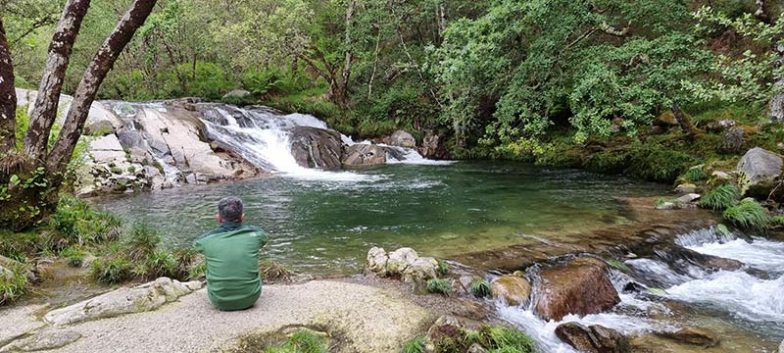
316	148
593	339
759	171
363	154
514	290
42	341
401	138
146	297
580	287
693	336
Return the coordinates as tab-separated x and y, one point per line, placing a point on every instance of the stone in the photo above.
719	125
377	261
692	335
513	290
686	188
400	259
688	198
682	258
99	128
24	319
363	154
236	94
731	141
145	297
420	270
401	138
431	146
316	148
759	171
593	339
446	326
106	143
581	286
667	205
721	175
476	348
44	340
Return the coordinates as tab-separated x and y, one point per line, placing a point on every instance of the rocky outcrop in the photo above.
759	171
363	154
42	341
514	290
592	339
693	336
316	148
580	286
404	263
146	297
401	138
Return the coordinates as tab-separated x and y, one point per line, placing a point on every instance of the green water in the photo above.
328	226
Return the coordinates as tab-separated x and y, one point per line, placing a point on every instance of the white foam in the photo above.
759	253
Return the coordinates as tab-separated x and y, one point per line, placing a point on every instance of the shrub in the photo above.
74	255
695	174
187	260
414	345
81	222
480	288
721	197
159	263
13	283
142	242
439	286
749	214
111	270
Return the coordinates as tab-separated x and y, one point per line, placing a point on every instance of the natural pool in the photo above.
326	222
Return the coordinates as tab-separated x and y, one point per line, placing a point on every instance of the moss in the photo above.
720	198
657	163
116	170
748	214
480	288
439	286
618	265
13	283
414	345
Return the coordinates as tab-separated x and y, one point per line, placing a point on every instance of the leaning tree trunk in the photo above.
683	120
7	97
346	73
777	102
88	87
45	108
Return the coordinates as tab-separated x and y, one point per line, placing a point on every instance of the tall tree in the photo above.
7	96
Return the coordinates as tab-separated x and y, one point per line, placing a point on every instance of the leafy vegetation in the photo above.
414	345
748	214
13	283
721	198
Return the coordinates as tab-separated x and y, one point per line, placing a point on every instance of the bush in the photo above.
159	263
142	242
302	341
748	214
13	283
111	270
74	255
414	345
439	286
657	163
721	197
480	288
82	223
695	175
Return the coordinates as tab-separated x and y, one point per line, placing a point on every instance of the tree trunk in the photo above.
777	101
88	87
346	74
45	108
683	120
7	97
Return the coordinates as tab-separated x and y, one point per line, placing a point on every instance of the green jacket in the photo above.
232	253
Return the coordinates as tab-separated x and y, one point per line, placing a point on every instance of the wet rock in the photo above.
686	188
513	290
693	336
431	146
688	198
580	287
146	297
719	125
593	339
363	154
41	341
445	327
731	141
681	259
404	263
401	138
316	148
781	347
759	171
236	94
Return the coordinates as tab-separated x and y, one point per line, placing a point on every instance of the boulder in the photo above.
377	261
513	290
688	198
363	154
316	148
593	339
692	335
421	270
400	259
445	327
403	263
581	286
42	341
686	188
759	171
106	143
731	141
401	138
146	297
236	94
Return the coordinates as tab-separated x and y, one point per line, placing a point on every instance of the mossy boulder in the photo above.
759	171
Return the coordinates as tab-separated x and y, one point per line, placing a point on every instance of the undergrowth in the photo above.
480	288
439	286
721	197
748	214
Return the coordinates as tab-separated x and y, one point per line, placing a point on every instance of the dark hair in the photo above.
230	209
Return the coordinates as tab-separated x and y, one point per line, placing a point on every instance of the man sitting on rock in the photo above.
232	253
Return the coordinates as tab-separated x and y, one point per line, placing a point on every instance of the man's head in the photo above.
230	210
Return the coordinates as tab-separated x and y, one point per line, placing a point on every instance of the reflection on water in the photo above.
328	226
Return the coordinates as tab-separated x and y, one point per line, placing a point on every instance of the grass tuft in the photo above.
13	283
443	267
302	341
748	214
439	286
721	197
74	255
509	340
142	241
111	270
414	345
695	175
480	288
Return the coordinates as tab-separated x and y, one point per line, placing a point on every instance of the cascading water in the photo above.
750	297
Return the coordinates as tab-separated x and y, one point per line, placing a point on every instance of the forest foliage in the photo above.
489	73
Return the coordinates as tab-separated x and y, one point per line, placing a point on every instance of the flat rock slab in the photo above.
23	319
372	320
41	341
